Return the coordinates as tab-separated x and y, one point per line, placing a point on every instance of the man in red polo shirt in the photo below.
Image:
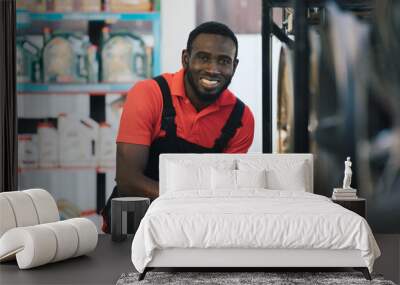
190	111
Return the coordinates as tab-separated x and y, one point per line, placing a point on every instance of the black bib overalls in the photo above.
171	143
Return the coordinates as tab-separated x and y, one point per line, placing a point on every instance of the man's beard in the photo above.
203	96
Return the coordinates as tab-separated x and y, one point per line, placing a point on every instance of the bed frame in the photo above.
243	259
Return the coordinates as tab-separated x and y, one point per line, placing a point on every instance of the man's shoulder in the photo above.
145	88
145	84
168	76
247	113
232	98
144	93
150	84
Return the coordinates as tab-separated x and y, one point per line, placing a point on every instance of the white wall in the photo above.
247	82
178	18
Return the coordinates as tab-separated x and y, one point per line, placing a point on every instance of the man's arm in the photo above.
131	164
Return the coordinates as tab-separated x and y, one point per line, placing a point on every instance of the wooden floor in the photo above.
110	259
389	262
102	266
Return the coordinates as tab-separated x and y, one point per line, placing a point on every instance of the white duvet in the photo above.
252	218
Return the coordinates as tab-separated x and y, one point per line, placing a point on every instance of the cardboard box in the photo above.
89	5
38	6
74	5
128	5
62	5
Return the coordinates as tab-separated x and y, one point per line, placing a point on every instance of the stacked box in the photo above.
128	5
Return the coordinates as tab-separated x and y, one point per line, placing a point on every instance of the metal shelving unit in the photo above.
24	18
90	16
96	20
71	88
301	51
65	168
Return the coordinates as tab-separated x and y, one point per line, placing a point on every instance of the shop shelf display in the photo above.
33	79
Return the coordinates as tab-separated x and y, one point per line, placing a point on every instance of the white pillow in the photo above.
202	160
182	177
223	179
228	179
282	174
293	180
251	178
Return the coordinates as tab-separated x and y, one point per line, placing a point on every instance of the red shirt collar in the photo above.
178	89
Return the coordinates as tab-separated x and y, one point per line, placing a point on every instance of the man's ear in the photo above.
185	59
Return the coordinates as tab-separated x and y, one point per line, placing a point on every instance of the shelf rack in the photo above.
72	88
24	18
97	103
301	68
97	169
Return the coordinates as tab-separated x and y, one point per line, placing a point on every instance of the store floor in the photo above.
110	259
102	266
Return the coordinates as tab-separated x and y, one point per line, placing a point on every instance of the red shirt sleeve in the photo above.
140	114
242	140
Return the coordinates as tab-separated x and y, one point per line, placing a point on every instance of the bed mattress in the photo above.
250	219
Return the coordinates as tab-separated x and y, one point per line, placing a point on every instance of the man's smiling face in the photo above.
210	65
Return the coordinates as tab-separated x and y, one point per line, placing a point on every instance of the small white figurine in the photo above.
347	174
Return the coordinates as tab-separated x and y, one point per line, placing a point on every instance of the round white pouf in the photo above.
33	246
7	218
46	207
23	208
87	235
40	244
67	240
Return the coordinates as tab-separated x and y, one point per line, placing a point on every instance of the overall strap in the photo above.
168	113
229	129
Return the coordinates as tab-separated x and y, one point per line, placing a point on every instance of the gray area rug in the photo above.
269	278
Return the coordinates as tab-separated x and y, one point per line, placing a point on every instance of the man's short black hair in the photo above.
211	27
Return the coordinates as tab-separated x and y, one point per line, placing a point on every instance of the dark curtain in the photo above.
8	100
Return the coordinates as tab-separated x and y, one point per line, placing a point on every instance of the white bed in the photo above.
247	210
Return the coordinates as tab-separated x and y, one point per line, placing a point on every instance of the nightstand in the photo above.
126	214
358	205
